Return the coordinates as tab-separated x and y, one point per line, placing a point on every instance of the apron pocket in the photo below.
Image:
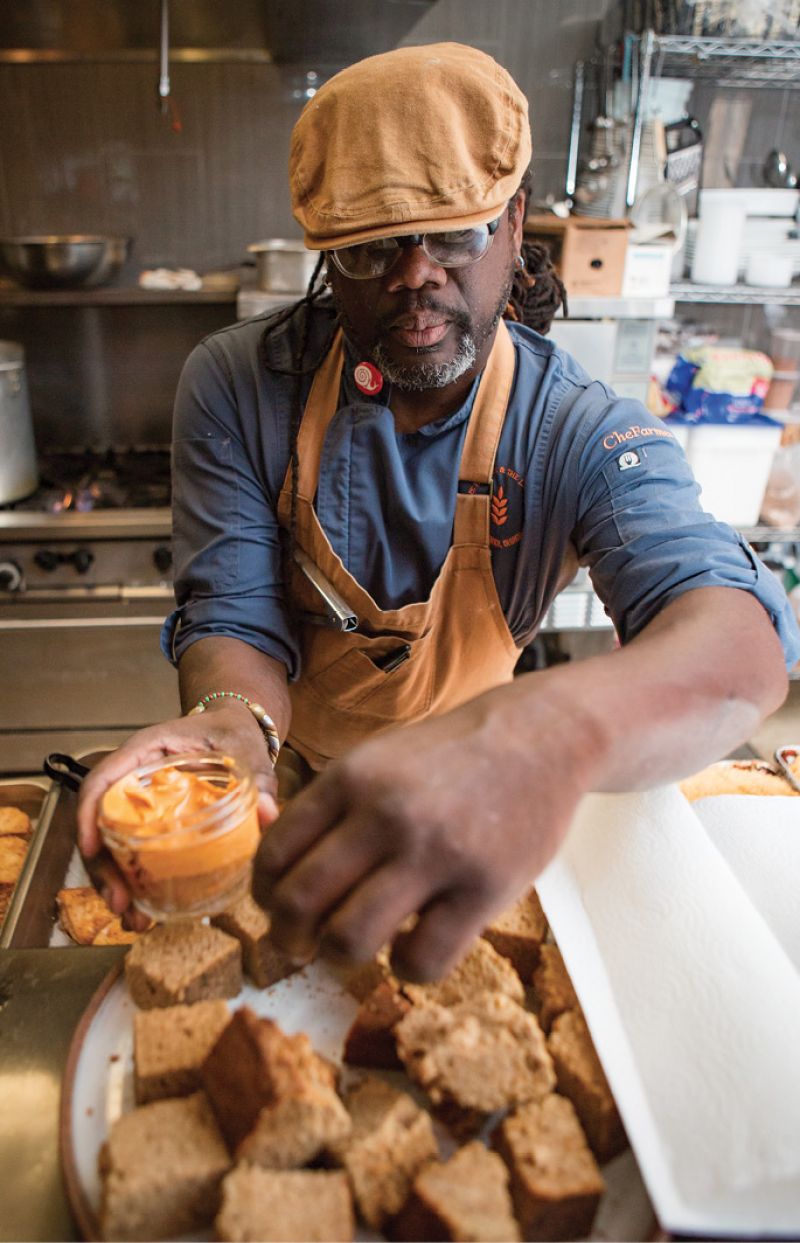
354	682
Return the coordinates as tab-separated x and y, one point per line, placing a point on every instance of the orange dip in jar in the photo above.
183	832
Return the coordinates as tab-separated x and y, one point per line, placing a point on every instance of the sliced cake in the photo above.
161	1169
390	1140
555	1183
263	962
181	962
476	1057
465	1198
519	932
581	1078
297	1206
170	1045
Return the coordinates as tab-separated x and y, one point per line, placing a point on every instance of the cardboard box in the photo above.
648	266
588	254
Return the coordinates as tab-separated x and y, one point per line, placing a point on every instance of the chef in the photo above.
377	495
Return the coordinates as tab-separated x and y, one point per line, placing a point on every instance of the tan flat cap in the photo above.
420	138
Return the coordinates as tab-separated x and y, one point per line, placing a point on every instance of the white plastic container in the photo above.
732	464
718	241
769	270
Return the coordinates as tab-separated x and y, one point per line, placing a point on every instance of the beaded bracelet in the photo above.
266	723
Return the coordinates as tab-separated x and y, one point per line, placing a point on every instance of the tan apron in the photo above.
459	644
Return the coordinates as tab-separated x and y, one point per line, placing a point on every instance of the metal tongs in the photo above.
784	756
65	769
338	613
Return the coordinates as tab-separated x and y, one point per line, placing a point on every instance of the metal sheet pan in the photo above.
33	795
32	913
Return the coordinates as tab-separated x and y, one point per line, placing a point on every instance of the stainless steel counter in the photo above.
42	996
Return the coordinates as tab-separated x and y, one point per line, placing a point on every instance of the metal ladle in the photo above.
776	171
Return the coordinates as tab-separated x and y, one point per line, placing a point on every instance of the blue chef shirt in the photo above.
575	465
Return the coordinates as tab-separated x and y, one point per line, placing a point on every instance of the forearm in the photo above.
691	687
222	664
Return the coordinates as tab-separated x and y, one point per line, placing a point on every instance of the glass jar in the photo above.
183	831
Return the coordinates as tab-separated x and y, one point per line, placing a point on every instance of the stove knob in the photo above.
46	559
10	576
162	559
82	559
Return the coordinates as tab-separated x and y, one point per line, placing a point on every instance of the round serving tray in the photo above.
98	1087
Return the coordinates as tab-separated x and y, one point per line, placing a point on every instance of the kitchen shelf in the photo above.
727	62
113	296
771	535
731	63
576	608
735	295
619	308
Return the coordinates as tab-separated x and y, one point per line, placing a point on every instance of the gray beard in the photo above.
423	376
430	375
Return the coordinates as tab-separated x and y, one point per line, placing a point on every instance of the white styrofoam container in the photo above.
591	342
757	200
648	267
732	464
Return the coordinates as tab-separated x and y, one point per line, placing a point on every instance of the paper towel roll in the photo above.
693	1001
718	242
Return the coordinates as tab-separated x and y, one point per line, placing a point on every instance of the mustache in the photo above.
416	304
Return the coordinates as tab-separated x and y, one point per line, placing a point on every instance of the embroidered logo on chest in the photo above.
507	508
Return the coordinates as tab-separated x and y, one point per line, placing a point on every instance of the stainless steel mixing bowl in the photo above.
68	261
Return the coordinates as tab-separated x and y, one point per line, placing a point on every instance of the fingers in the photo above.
147	747
267	809
441	936
108	881
300	901
267	805
134	920
371	915
311	813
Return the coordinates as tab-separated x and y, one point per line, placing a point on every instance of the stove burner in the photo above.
81	481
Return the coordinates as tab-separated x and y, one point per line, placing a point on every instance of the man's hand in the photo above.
453	818
446	818
229	729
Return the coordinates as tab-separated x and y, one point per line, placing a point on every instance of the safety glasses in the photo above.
454	249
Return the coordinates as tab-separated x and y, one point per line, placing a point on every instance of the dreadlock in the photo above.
537	291
297	371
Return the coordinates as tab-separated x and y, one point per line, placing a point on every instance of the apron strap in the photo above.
491	401
473	508
324	398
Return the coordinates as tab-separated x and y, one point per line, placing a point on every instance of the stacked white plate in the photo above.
762	235
757	200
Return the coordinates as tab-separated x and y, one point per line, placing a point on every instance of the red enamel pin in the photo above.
368	378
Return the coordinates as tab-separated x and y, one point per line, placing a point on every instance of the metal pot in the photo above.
283	266
18	472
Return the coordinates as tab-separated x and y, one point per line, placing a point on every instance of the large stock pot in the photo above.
18	471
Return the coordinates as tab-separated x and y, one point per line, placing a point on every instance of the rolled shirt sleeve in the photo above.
226	541
644	535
